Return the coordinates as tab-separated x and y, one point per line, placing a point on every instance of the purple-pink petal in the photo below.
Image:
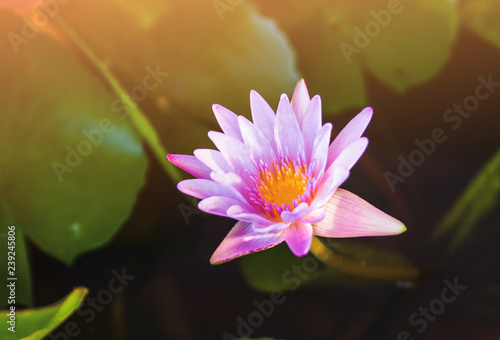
218	205
300	100
351	154
190	164
298	236
213	159
228	121
255	142
298	212
242	240
287	132
203	188
233	150
320	149
350	133
348	215
263	116
311	125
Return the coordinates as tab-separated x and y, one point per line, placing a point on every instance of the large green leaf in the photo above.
219	63
482	17
479	198
37	323
71	168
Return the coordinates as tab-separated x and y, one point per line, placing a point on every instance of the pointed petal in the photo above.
256	144
348	215
350	133
333	178
217	205
287	133
228	121
351	154
311	125
247	215
241	240
190	164
300	100
314	215
263	116
213	159
319	155
298	236
234	152
295	215
203	188
271	227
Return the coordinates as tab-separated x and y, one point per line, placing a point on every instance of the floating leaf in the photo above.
204	66
71	168
479	198
37	323
482	17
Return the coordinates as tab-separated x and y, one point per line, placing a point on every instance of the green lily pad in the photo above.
37	323
220	63
71	168
482	17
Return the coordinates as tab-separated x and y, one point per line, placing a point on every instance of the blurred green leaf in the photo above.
403	44
479	198
22	263
37	323
219	63
72	168
482	17
414	45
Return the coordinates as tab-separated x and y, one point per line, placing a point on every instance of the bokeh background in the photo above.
93	94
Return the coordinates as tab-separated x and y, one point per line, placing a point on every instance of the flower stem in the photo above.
360	270
141	124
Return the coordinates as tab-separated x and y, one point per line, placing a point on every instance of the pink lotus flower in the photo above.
280	177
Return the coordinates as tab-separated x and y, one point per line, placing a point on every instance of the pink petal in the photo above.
320	149
246	214
311	125
217	205
270	227
348	215
314	215
234	152
298	236
203	188
213	159
351	154
287	133
256	144
263	116
241	240
228	121
300	100
351	132
332	179
190	164
298	212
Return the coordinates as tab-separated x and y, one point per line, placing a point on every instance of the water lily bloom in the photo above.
279	177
